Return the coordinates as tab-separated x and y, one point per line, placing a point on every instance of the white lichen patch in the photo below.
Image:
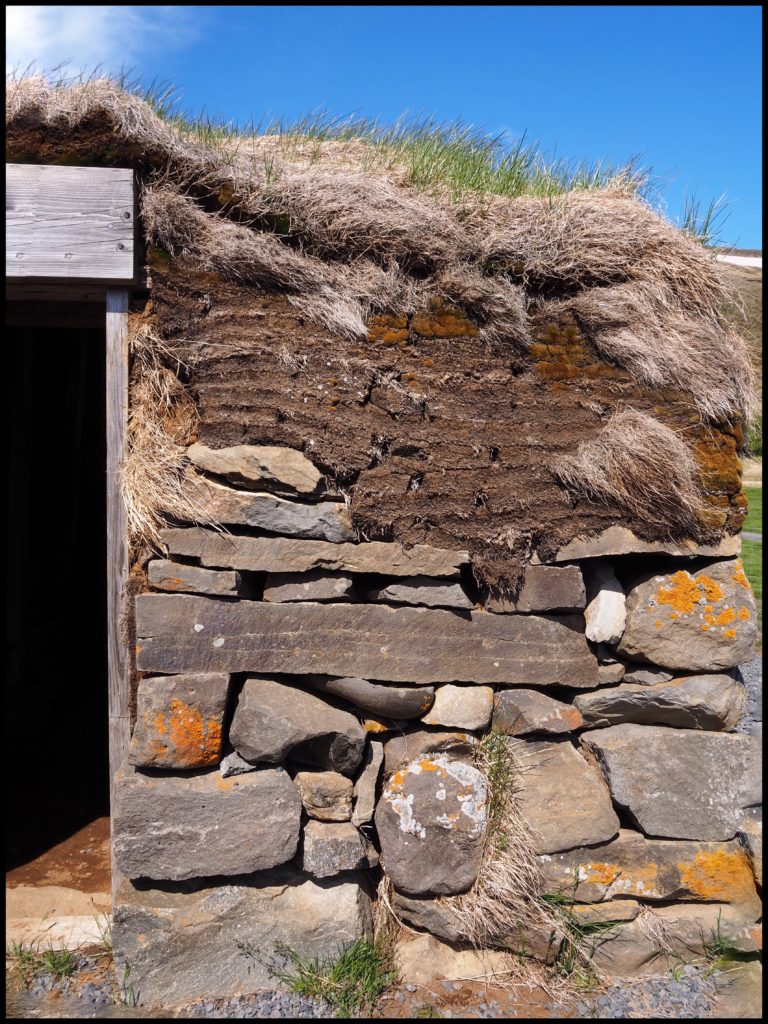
470	794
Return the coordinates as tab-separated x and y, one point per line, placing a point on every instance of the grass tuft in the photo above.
26	959
350	983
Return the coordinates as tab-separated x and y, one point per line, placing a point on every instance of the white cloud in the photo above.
86	37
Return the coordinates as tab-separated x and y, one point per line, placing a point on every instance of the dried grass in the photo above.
162	420
643	467
342	243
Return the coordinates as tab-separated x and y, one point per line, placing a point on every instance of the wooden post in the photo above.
117	541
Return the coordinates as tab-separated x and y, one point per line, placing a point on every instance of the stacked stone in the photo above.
308	705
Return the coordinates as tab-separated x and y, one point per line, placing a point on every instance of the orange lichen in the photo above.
684	592
740	577
744	614
430	766
730	633
725	617
397	779
673	615
192	740
720	875
659	623
704	627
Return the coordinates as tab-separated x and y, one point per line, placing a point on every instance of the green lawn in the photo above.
754	520
752	557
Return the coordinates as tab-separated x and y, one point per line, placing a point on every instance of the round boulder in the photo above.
431	821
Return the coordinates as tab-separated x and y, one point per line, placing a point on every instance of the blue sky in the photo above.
677	86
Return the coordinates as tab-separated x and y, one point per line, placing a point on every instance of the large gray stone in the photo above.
283	554
431	822
562	796
212	942
606	612
520	712
330	848
410	746
618	540
178	632
198	825
165	575
546	588
422	590
325	520
391	701
326	796
652	869
710	702
309	586
702	620
179	721
273	721
678	782
659	939
366	783
751	838
461	707
259	467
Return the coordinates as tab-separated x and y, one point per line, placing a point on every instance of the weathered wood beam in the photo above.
117	544
69	222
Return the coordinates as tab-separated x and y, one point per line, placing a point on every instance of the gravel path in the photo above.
693	996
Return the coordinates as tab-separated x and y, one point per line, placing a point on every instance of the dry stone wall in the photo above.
309	706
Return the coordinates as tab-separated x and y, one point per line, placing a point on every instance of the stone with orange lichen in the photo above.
431	821
656	870
179	721
714	625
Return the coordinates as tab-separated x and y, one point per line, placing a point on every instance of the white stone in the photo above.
606	611
461	707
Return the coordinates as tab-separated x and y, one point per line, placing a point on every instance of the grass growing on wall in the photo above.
754	520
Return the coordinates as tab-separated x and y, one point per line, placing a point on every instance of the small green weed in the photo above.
350	983
427	1010
25	959
22	960
719	950
581	938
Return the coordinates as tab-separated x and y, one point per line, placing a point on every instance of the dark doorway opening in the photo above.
57	778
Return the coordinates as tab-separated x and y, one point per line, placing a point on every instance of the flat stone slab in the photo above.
646	675
281	554
367	782
652	869
710	702
166	575
179	721
330	848
309	586
389	700
546	588
200	825
618	540
562	796
679	783
421	590
325	520
273	721
461	707
634	948
259	467
704	620
212	942
431	821
177	633
326	796
520	712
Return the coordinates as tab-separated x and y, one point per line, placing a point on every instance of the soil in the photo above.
441	438
81	861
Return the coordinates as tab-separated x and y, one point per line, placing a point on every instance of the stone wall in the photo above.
308	709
